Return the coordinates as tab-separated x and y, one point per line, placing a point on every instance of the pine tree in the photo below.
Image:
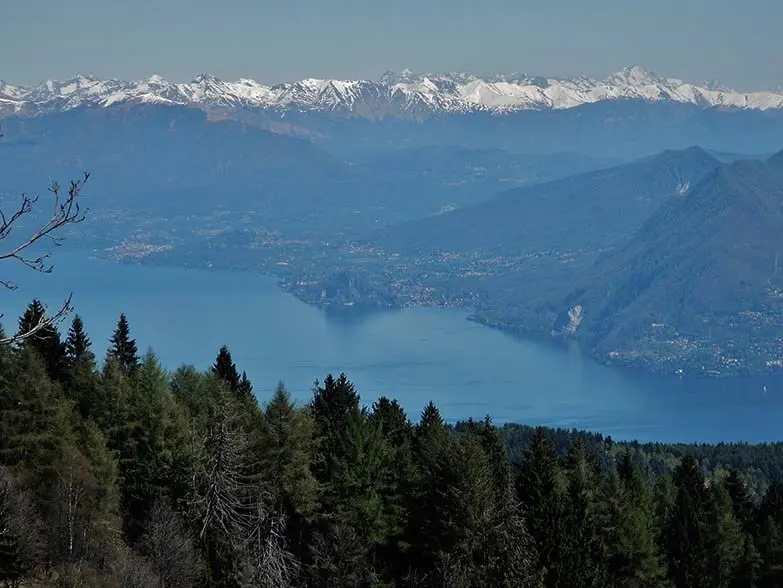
542	503
245	388
725	539
123	348
749	560
425	526
770	536
78	347
632	552
225	369
153	460
46	341
287	439
34	421
685	531
583	559
397	433
332	406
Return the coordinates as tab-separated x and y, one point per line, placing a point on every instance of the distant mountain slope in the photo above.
175	160
592	210
146	145
403	93
700	284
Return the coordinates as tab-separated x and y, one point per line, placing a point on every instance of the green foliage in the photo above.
129	475
45	341
287	438
225	369
123	347
78	347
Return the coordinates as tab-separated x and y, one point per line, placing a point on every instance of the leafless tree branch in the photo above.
66	210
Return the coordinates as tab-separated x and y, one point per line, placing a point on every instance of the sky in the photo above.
737	43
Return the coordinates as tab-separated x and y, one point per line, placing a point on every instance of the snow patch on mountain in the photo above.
394	93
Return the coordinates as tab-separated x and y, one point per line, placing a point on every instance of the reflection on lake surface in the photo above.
415	355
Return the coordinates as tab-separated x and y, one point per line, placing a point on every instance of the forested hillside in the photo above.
118	473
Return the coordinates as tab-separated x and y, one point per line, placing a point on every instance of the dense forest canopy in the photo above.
119	473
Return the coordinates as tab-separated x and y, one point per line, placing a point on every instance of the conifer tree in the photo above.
425	525
724	539
583	558
332	406
245	388
685	532
21	543
745	511
542	503
632	552
34	423
287	438
123	347
397	433
78	347
770	536
225	369
45	341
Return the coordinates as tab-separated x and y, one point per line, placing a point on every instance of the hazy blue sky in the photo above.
737	42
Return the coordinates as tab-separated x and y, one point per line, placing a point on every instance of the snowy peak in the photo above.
634	76
402	93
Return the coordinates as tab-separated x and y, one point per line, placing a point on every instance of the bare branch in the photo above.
65	210
43	322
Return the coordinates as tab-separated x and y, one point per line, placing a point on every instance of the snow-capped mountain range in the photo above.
394	93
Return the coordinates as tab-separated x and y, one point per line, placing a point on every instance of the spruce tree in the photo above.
425	525
288	444
332	406
78	347
225	369
123	348
542	503
685	532
46	341
583	559
245	388
632	551
770	536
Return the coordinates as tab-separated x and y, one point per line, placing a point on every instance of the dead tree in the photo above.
243	539
65	211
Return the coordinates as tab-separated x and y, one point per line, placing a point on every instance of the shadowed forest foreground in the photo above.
124	475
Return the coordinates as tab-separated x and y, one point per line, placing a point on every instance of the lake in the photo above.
415	355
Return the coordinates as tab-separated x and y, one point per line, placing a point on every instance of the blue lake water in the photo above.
414	355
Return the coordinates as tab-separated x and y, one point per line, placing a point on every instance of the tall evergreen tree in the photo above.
632	552
583	559
746	514
225	369
245	388
123	347
542	498
46	341
770	536
686	536
333	405
78	347
288	445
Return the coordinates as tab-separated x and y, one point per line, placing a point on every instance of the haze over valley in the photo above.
518	213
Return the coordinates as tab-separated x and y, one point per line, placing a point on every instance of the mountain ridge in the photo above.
698	283
591	210
401	94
